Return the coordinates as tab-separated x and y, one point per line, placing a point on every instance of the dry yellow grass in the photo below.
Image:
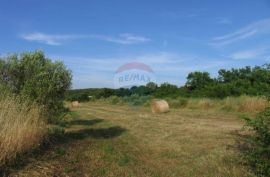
21	127
247	104
239	104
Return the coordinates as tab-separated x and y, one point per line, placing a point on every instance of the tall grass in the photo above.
240	104
247	104
21	127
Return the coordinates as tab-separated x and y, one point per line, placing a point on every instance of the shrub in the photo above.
81	97
257	146
177	102
36	77
166	90
21	127
116	100
113	100
136	100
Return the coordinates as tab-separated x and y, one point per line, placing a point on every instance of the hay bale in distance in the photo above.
75	104
159	106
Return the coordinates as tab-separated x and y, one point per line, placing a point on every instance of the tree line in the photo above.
253	81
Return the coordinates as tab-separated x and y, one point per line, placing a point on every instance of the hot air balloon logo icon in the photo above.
133	74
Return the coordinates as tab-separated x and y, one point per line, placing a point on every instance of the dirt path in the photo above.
106	140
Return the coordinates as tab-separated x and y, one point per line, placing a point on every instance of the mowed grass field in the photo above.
126	141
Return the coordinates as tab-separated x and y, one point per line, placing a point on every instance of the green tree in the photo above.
152	85
167	90
40	79
198	80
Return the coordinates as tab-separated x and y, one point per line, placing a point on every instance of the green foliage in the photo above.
141	90
177	102
123	92
198	80
151	85
105	93
36	77
115	100
166	90
257	147
81	97
136	100
235	82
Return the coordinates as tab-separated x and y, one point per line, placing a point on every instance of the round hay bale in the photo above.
159	106
75	104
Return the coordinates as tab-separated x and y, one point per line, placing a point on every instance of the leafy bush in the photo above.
115	100
177	102
136	100
257	146
36	77
81	97
198	80
166	90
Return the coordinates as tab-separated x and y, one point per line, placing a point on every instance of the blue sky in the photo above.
174	37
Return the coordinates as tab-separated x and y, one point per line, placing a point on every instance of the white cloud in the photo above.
249	54
122	38
256	28
49	39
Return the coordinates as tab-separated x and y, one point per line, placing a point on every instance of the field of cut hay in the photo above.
127	141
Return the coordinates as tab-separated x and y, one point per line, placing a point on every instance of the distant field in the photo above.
124	141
